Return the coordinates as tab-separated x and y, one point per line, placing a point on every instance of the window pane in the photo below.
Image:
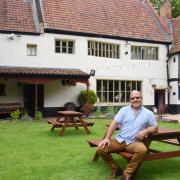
58	49
98	85
105	97
128	97
122	96
99	96
133	85
64	49
104	85
139	86
70	44
110	96
57	43
116	85
63	43
116	97
70	50
33	51
122	86
128	86
110	85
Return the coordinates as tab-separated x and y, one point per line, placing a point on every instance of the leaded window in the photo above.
116	91
144	52
101	49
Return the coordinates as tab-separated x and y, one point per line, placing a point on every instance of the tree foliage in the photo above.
175	6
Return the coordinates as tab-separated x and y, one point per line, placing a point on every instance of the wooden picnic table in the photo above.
165	135
67	119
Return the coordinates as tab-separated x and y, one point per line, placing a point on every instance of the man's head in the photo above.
136	99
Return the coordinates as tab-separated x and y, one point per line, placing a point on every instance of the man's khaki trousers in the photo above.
138	149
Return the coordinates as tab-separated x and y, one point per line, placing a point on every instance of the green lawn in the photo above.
30	151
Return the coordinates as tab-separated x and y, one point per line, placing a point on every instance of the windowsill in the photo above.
112	104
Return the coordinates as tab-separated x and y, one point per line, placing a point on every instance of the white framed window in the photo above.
116	91
101	49
144	52
64	46
31	50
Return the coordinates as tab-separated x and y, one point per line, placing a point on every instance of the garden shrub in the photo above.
15	115
82	98
38	115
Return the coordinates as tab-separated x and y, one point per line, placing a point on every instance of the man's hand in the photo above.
150	130
103	143
142	134
109	133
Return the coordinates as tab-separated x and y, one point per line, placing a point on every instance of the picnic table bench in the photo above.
169	136
67	119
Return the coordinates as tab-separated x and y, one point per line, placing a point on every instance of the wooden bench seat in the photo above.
171	141
7	108
152	154
61	123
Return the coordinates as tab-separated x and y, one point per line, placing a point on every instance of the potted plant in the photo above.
87	99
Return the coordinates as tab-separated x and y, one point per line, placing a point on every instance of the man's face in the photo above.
136	100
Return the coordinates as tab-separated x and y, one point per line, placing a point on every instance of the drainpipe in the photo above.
168	74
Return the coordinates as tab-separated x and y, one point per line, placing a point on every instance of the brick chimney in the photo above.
165	9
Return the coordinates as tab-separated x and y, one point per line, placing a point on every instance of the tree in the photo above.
175	6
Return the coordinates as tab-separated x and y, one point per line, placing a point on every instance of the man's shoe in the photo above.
124	177
115	173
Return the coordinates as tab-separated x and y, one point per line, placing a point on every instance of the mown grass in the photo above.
30	151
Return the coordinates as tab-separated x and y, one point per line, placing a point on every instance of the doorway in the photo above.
159	98
29	98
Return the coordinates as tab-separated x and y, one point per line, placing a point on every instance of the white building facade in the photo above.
118	76
123	61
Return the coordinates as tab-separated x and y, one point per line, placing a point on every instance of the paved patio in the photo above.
171	118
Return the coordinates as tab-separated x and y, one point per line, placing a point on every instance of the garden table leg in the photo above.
84	125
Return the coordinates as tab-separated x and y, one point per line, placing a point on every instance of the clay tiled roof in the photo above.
33	72
119	18
176	36
16	16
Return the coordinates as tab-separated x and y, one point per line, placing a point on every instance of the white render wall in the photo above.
13	52
13	92
57	95
173	67
173	73
174	93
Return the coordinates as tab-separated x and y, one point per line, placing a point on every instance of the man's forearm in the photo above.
111	129
152	129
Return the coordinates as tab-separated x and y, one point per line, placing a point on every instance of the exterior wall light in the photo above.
92	72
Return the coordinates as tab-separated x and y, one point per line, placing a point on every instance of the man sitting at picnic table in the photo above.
135	122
